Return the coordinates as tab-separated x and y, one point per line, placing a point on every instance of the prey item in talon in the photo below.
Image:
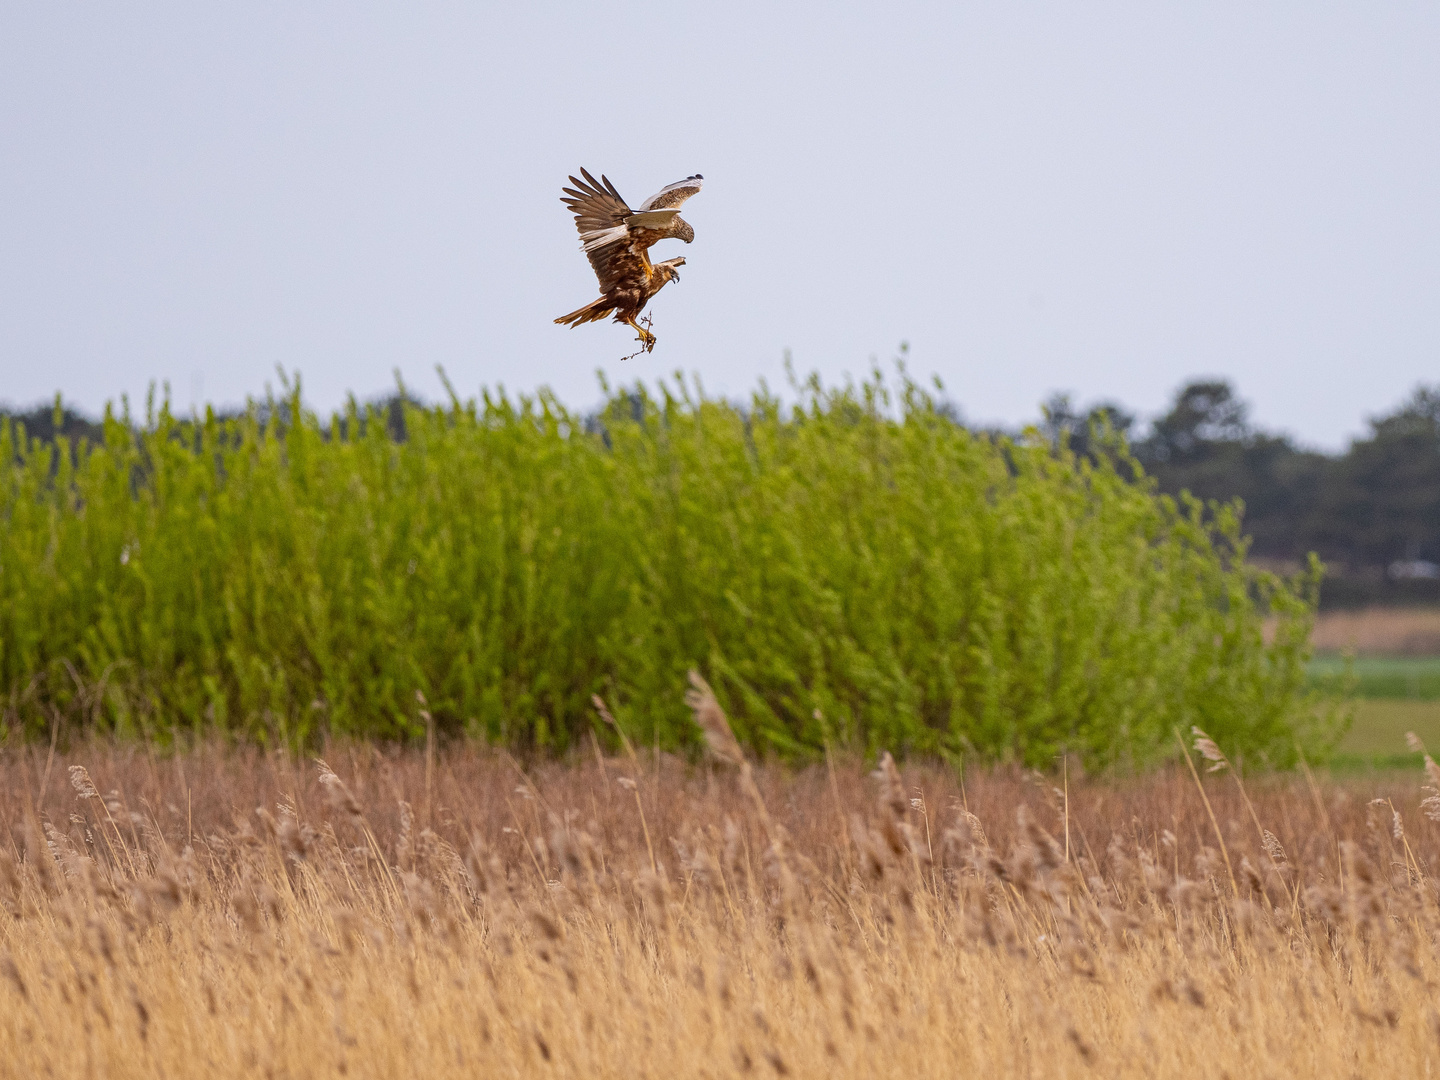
646	339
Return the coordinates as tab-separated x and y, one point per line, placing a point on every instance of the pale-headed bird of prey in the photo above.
616	239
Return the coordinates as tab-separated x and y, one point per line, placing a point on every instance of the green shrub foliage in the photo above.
856	570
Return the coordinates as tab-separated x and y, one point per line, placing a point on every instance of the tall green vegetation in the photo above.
854	570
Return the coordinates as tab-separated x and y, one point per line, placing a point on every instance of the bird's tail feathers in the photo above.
591	312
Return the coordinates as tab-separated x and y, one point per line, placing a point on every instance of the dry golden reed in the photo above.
226	913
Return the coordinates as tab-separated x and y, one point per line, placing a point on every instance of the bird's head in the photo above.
669	269
683	231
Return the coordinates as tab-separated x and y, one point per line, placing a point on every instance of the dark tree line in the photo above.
1372	513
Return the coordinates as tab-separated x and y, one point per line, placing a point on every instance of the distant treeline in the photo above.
1372	513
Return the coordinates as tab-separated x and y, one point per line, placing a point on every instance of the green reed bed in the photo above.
853	570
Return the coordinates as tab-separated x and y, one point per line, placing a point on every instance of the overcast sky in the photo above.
1105	199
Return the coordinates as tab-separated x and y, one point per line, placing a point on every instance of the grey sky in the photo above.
1099	198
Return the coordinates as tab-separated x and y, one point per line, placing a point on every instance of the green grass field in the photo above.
1380	727
1383	677
1393	695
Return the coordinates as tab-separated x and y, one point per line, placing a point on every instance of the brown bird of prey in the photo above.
616	239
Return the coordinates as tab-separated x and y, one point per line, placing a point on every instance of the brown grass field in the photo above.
1379	632
228	913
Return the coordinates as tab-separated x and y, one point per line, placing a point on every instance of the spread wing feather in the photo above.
596	206
673	194
609	186
600	214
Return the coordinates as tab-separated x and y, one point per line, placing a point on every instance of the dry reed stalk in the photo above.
720	743
1211	752
1219	837
86	790
631	783
429	757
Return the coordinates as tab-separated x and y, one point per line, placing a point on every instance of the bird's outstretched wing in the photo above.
599	210
600	215
596	204
672	195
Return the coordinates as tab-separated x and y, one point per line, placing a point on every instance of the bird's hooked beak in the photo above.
675	275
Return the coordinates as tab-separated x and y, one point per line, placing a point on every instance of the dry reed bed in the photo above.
227	913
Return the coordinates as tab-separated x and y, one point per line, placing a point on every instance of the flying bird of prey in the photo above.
617	240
